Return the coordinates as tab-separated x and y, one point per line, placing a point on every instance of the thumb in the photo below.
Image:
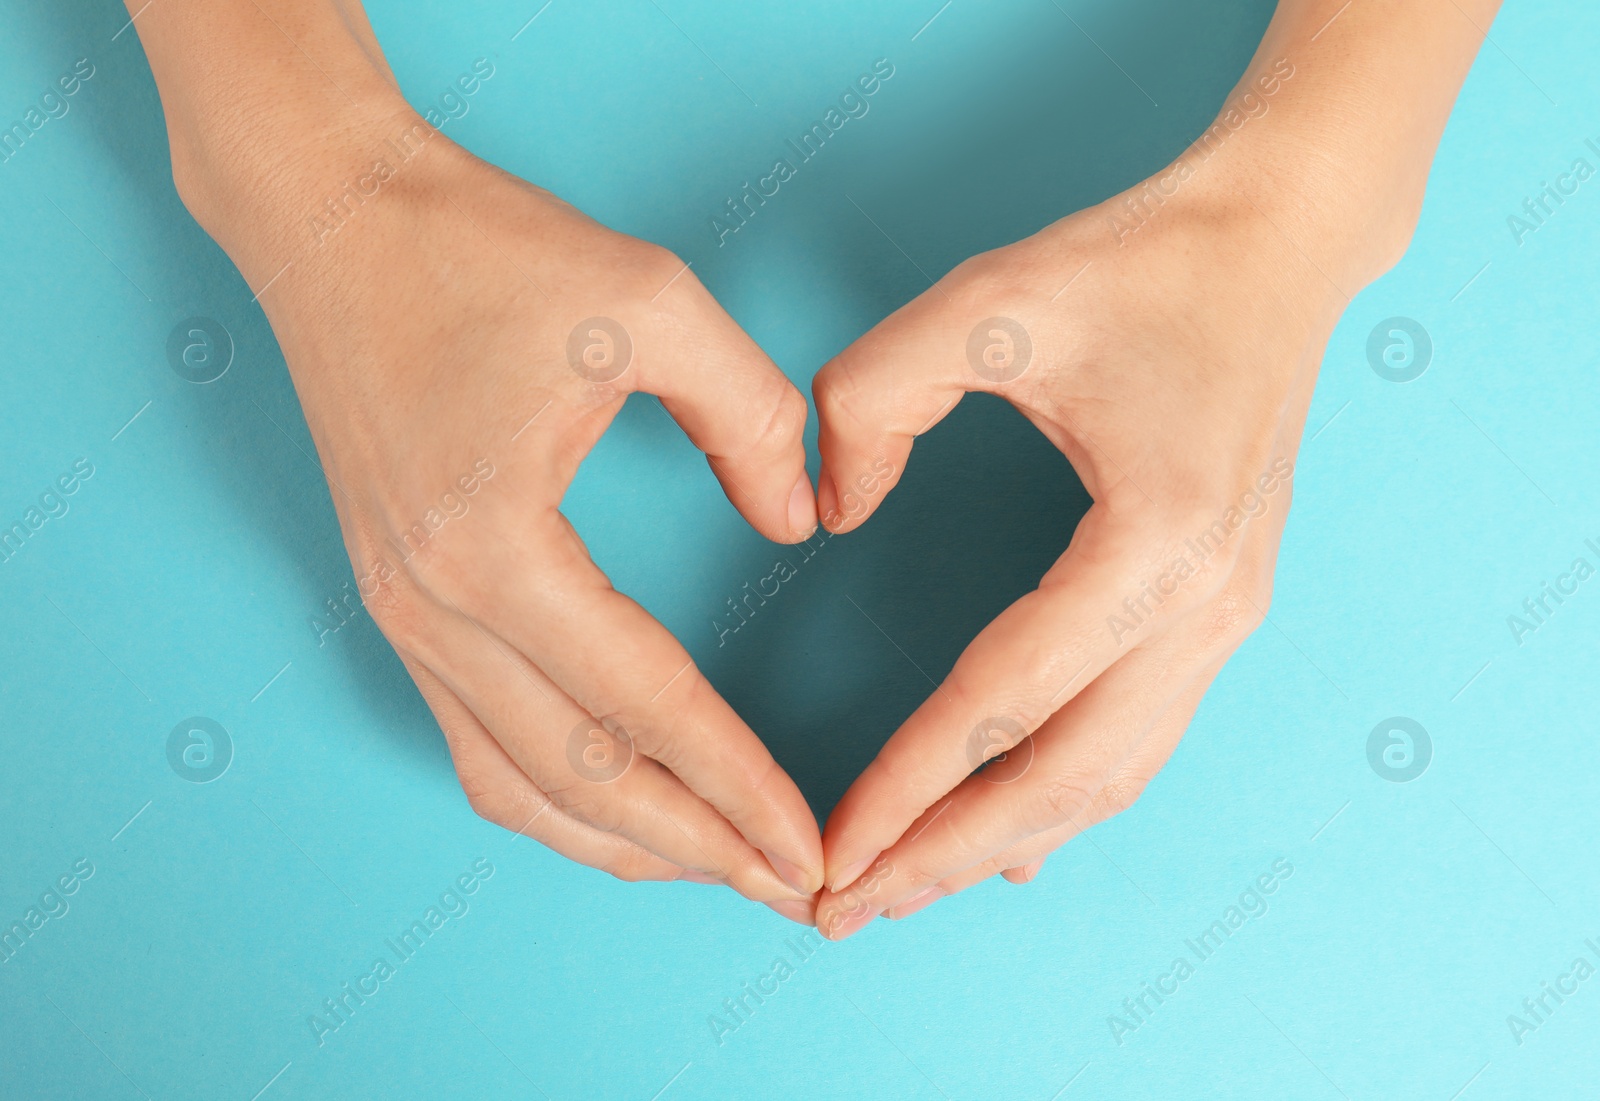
892	385
742	411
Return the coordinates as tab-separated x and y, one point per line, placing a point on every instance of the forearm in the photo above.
1339	153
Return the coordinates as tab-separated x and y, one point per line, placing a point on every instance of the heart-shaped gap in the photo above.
827	668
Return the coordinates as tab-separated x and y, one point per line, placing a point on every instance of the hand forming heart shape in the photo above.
1178	396
1170	354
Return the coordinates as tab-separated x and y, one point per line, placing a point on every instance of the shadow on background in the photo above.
999	131
830	666
1026	123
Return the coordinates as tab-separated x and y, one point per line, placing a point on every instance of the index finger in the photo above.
618	663
1033	659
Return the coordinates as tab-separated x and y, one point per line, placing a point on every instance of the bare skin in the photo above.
1173	338
447	328
1167	341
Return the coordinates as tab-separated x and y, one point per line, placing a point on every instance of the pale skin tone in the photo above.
1172	363
1175	372
428	339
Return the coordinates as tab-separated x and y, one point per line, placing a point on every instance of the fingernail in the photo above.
794	875
802	912
920	901
842	925
802	509
691	876
850	875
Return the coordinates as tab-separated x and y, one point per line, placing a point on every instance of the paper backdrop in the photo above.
184	939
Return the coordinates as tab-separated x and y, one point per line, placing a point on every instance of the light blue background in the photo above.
182	580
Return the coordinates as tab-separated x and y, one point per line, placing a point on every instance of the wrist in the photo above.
1275	192
263	99
1331	131
1351	213
245	161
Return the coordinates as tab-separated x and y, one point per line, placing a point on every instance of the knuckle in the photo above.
492	803
384	592
915	875
785	420
654	266
1183	567
1202	537
441	568
1012	712
929	865
1119	795
957	848
777	425
991	277
400	616
1064	799
993	738
896	772
484	803
1212	525
434	551
630	866
667	729
1232	617
662	743
834	389
1033	676
582	799
464	566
